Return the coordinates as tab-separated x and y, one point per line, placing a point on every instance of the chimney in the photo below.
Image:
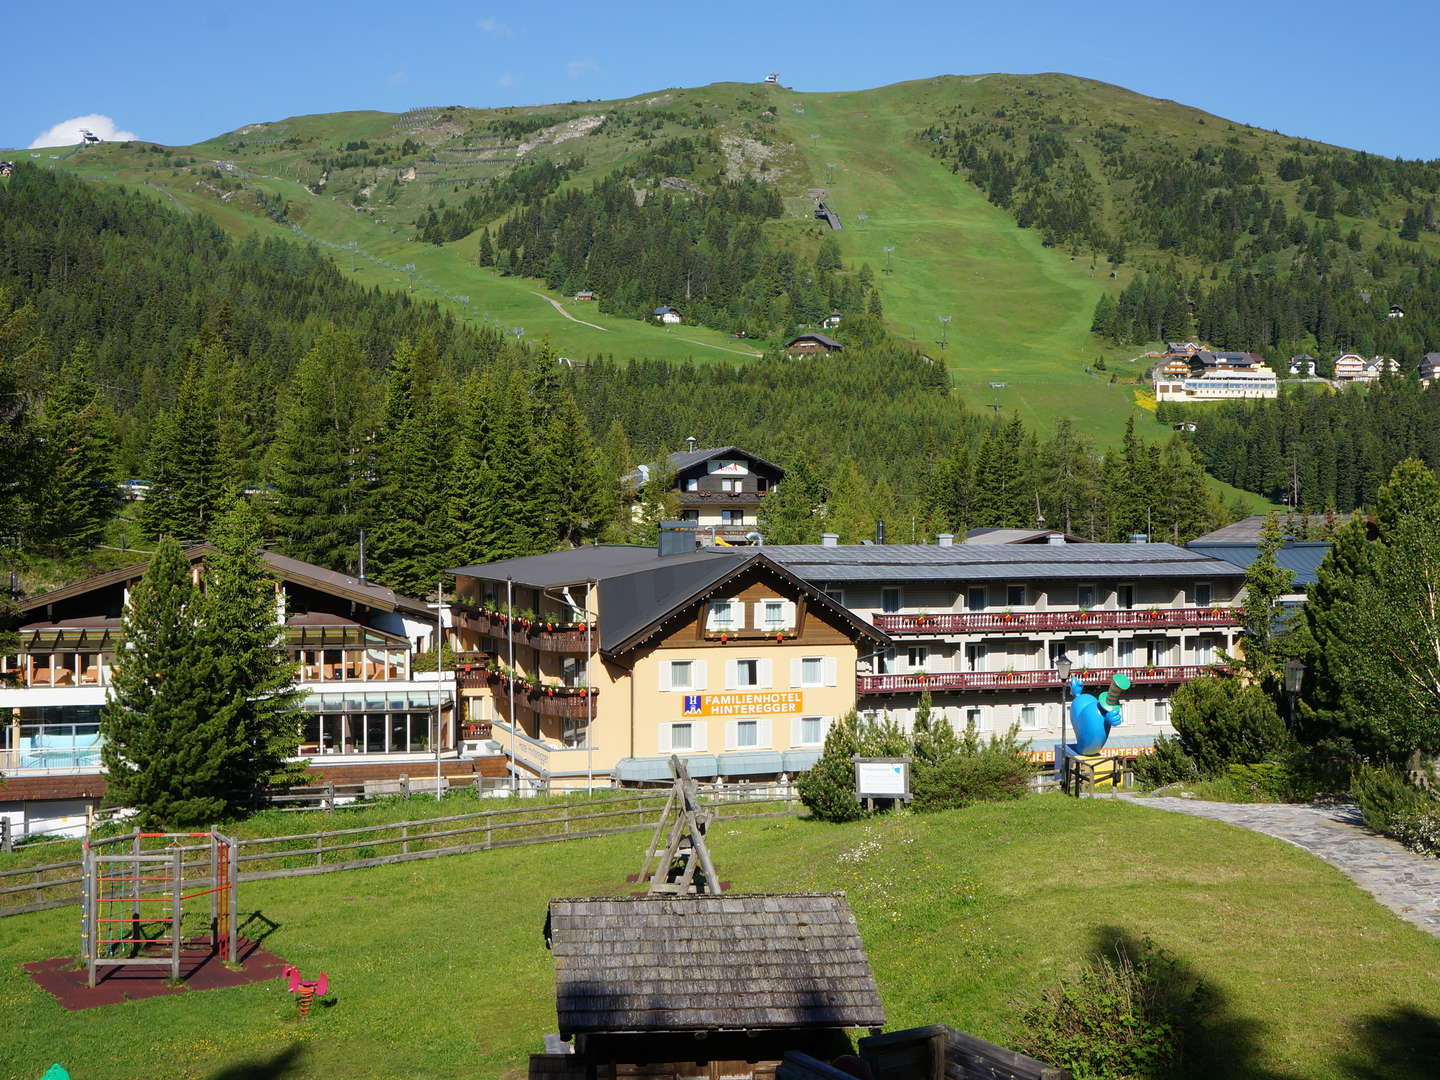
1139	538
361	575
945	540
689	442
829	540
677	538
880	531
1058	539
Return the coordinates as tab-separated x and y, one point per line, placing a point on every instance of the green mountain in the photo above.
986	215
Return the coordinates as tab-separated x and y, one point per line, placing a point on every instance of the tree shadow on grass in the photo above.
286	1063
1218	1044
1402	1043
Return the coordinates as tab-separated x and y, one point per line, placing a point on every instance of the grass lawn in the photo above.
439	970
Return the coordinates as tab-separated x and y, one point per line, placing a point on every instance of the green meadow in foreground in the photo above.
438	969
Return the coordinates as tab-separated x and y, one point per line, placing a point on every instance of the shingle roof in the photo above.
708	963
685	459
997	562
1301	558
828	342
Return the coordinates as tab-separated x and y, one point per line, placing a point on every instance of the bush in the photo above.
1393	807
827	788
1222	722
1117	1019
976	772
1169	764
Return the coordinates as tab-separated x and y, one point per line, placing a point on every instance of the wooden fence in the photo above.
49	885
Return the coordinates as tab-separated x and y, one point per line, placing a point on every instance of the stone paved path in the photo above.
1406	883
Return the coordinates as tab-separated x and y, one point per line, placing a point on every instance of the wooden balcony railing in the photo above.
917	682
995	622
543	634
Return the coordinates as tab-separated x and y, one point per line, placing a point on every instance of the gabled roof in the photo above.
284	567
828	342
685	459
666	310
579	565
710	963
1301	557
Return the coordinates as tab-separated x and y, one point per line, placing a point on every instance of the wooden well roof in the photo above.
710	963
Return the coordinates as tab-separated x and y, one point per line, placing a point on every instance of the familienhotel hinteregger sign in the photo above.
761	703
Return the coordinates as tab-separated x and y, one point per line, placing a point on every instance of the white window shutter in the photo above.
763	676
710	616
829	665
795	729
699	735
797	672
757	619
737	614
664	674
789	614
697	674
732	734
762	733
731	674
664	738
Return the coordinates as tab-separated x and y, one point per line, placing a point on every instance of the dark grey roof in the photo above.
685	459
631	602
829	343
1018	536
995	562
710	963
1301	557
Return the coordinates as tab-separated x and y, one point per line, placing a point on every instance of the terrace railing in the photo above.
998	622
916	682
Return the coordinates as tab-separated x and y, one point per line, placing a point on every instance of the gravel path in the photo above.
1406	883
556	305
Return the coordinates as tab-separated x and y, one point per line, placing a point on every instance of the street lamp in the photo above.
1294	678
1063	664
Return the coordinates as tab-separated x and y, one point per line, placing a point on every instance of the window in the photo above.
1125	596
725	616
692	484
747	733
890	601
1029	718
1162	713
747	674
975	657
812	671
1204	650
975	718
1201	594
773	612
762	485
681	675
810	731
916	657
976	598
1014	595
732	517
1085	596
885	661
730	485
682	736
836	593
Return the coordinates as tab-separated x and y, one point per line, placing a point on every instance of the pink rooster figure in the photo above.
308	989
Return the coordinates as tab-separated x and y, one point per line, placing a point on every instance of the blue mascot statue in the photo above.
1093	717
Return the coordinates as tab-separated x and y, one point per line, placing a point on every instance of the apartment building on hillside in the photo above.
1214	376
718	490
980	627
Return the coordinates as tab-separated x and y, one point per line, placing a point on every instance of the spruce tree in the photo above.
789	513
570	497
186	478
80	493
1265	582
257	704
167	751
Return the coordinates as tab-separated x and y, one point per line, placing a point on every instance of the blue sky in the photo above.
1360	75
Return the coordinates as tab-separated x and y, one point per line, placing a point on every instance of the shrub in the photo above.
1119	1018
1393	807
1222	722
1169	764
976	772
827	788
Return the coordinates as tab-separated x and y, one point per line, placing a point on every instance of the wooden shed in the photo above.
701	986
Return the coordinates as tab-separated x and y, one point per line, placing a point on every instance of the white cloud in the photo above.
399	78
67	132
492	25
577	68
505	80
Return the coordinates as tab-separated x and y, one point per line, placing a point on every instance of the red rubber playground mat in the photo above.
200	969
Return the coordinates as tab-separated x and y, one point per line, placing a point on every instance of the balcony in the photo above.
995	622
544	634
918	682
719	498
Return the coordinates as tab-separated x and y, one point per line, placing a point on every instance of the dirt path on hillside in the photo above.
556	305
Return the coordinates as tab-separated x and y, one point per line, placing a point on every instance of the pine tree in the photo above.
568	485
167	750
789	513
186	478
614	463
827	788
80	493
321	454
1265	582
258	704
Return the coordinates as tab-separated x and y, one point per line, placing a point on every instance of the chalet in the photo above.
585	294
718	490
831	321
667	314
811	343
1184	349
705	986
1429	368
1215	376
1352	368
1303	364
352	641
980	627
603	661
1395	312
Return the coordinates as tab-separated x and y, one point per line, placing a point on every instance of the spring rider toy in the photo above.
1092	717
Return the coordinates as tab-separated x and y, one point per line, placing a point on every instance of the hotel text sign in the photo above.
761	703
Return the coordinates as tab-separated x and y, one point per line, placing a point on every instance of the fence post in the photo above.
329	795
405	786
177	888
319	850
565	818
405	839
6	844
488	819
479	787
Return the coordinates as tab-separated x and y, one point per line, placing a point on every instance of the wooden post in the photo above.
89	819
234	875
329	795
214	890
479	786
6	844
177	888
405	786
319	850
87	910
488	819
135	886
405	839
565	818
